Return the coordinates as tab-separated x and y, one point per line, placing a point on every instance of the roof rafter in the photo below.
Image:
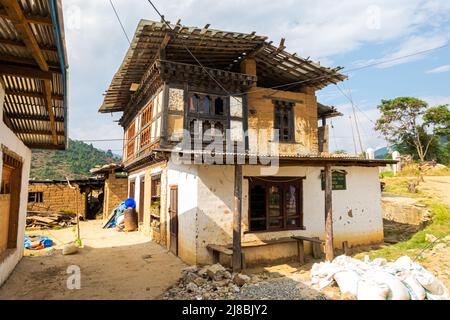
18	18
31	18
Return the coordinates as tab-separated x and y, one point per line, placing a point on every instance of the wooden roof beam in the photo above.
36	117
20	44
26	72
32	94
39	132
20	22
31	18
19	61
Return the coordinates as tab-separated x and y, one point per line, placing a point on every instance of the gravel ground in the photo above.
279	289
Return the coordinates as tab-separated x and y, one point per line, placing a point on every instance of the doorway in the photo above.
173	212
10	191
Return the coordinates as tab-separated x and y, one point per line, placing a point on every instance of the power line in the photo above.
120	22
398	58
189	51
356	106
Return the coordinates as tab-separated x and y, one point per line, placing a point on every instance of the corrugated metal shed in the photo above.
214	49
33	69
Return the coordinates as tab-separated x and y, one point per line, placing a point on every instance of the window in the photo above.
207	117
193	103
131	132
284	120
275	204
35	197
206	105
218	107
146	114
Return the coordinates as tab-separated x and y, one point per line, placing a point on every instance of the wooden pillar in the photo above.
237	217
329	249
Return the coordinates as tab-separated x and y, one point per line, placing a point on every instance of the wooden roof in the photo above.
214	49
324	111
33	69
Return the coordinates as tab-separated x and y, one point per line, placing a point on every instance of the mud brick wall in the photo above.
116	191
58	198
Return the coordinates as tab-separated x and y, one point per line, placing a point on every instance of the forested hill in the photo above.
75	162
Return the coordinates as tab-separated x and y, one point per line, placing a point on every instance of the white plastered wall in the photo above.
8	139
357	214
185	177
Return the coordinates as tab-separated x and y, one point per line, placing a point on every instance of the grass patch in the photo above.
412	170
386	174
439	227
400	186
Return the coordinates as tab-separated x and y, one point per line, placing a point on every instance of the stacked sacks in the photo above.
379	280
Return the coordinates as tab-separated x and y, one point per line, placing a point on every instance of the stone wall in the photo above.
58	197
116	191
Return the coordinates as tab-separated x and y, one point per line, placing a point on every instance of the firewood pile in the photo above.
49	220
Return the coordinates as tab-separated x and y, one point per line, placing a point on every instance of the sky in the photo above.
348	33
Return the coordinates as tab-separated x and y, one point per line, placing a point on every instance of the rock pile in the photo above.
212	282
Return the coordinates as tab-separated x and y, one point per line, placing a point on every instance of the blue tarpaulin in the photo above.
44	242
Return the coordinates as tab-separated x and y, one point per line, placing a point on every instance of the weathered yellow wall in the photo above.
116	191
261	117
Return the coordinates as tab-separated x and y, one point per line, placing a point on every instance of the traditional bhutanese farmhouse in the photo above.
227	148
33	108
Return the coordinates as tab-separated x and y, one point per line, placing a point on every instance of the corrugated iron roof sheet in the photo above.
25	107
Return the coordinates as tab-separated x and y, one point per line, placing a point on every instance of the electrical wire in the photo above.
120	21
190	52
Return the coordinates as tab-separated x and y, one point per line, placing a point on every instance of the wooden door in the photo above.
141	199
132	188
173	211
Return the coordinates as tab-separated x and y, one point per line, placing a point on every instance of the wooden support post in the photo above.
301	252
237	250
317	252
329	249
345	248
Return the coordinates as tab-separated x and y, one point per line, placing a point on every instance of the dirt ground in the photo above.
438	186
114	265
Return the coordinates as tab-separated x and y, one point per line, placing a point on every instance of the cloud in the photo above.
412	49
436	100
323	29
441	69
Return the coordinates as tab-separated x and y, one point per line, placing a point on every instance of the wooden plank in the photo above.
329	248
237	217
219	248
26	72
302	238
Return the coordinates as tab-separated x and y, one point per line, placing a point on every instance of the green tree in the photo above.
401	123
